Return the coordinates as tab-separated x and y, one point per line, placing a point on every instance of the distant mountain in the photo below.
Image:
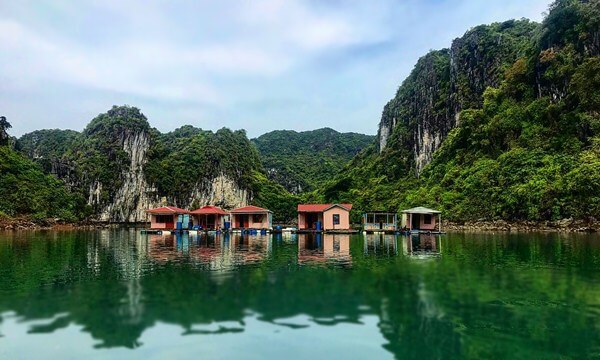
301	161
504	124
121	167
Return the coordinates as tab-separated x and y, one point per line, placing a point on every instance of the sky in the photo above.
259	65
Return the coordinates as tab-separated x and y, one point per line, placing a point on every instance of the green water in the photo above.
120	294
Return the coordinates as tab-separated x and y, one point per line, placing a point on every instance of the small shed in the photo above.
209	217
325	216
251	217
167	217
422	219
380	221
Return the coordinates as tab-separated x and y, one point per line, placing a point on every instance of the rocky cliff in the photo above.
527	143
444	82
122	167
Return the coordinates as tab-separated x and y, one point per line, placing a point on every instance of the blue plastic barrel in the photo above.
179	225
318	225
227	225
278	227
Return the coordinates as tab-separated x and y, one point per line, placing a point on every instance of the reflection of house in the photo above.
379	221
321	247
422	245
422	219
324	216
209	217
251	217
380	244
167	217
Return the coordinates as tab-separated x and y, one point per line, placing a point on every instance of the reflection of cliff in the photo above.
116	285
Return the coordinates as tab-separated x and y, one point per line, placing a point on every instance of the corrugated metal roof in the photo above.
421	210
168	210
321	207
249	209
209	210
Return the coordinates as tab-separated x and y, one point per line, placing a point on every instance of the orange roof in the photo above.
321	207
168	210
249	209
209	210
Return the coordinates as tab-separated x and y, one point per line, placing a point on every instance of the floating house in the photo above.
209	218
380	221
324	217
168	217
251	217
422	219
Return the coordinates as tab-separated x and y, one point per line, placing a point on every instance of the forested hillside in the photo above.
302	161
504	124
523	146
122	166
25	190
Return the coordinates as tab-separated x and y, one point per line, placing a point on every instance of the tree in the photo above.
4	126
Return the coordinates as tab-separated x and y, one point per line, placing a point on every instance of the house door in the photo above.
415	221
170	223
311	219
243	221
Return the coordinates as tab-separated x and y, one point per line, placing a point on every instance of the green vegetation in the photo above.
4	126
47	147
179	159
26	190
531	151
302	161
515	106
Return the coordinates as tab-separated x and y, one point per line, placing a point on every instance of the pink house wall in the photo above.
219	220
422	225
302	219
264	224
344	219
428	226
157	225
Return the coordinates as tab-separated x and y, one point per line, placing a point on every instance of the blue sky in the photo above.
260	65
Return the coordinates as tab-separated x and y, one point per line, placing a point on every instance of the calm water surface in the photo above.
120	294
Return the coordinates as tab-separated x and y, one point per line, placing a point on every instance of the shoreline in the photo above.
565	225
25	224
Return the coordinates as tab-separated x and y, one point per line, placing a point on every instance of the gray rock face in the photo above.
131	200
136	195
121	167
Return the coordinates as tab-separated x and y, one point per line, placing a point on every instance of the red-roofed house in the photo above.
330	216
209	217
165	218
251	217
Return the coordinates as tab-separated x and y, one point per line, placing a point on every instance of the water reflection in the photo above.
382	244
422	246
324	248
483	296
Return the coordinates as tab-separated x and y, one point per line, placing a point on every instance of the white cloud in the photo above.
237	63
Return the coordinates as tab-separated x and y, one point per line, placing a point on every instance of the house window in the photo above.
163	219
336	219
427	219
256	218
